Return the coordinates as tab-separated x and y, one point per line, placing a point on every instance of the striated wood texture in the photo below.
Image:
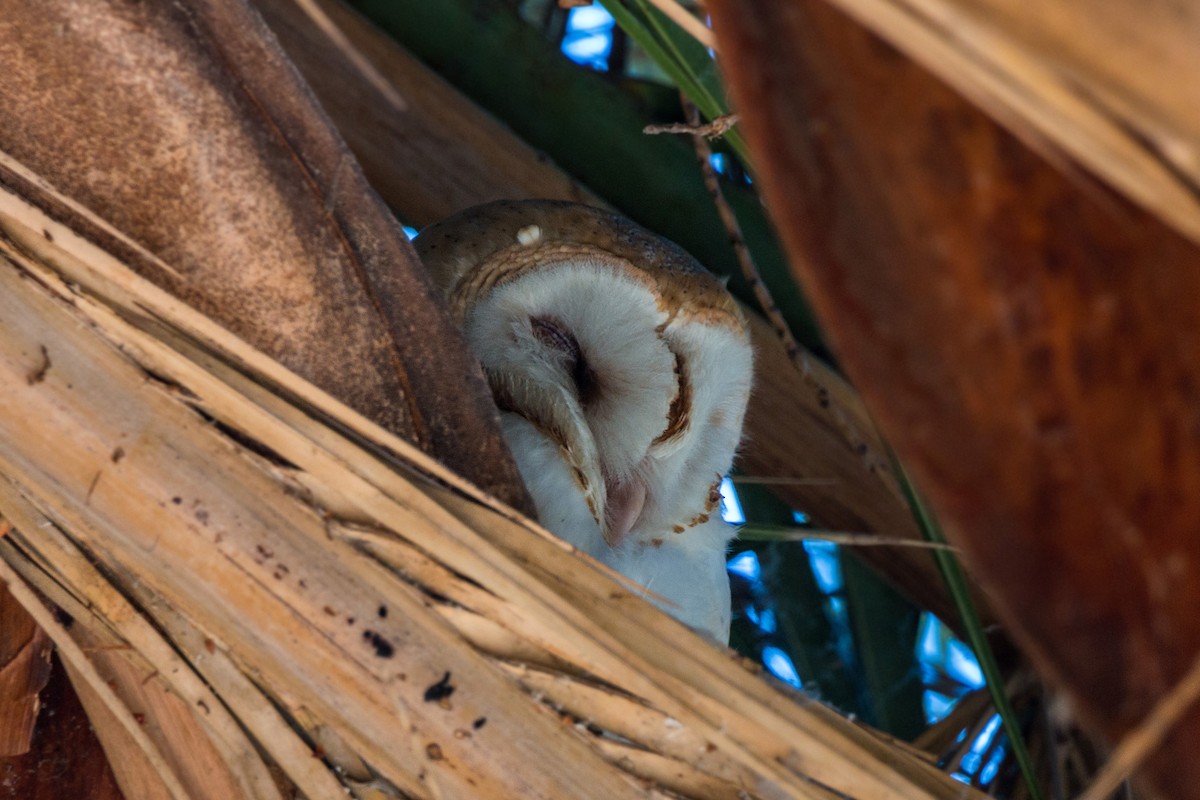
304	570
65	761
1028	340
1100	80
24	670
184	127
439	153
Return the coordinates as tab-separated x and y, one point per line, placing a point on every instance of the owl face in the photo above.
622	371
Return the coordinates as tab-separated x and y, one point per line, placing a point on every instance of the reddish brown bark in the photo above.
24	671
1029	341
66	761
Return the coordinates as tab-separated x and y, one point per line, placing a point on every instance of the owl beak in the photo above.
622	507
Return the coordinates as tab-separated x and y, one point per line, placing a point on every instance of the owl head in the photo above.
621	369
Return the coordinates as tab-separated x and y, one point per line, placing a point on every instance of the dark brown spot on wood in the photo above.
92	488
383	611
479	723
440	690
118	454
434	751
383	648
210	646
38	374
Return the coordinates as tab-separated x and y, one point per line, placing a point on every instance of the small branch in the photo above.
1146	737
766	303
712	130
762	533
729	220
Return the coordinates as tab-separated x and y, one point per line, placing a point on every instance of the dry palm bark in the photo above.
185	127
1027	339
271	557
1103	82
24	671
436	155
65	759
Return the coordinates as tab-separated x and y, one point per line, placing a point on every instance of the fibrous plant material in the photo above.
1026	338
161	471
438	156
24	672
185	128
1104	88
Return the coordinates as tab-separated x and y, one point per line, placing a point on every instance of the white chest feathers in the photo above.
622	371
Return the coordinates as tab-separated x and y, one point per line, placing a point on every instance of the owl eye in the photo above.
554	334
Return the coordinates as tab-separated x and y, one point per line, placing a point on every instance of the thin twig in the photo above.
745	263
1146	737
690	24
766	302
339	40
787	534
712	130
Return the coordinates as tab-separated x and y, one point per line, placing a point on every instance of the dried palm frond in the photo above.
306	583
1104	88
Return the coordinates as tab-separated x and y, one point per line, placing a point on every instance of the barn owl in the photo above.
621	369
